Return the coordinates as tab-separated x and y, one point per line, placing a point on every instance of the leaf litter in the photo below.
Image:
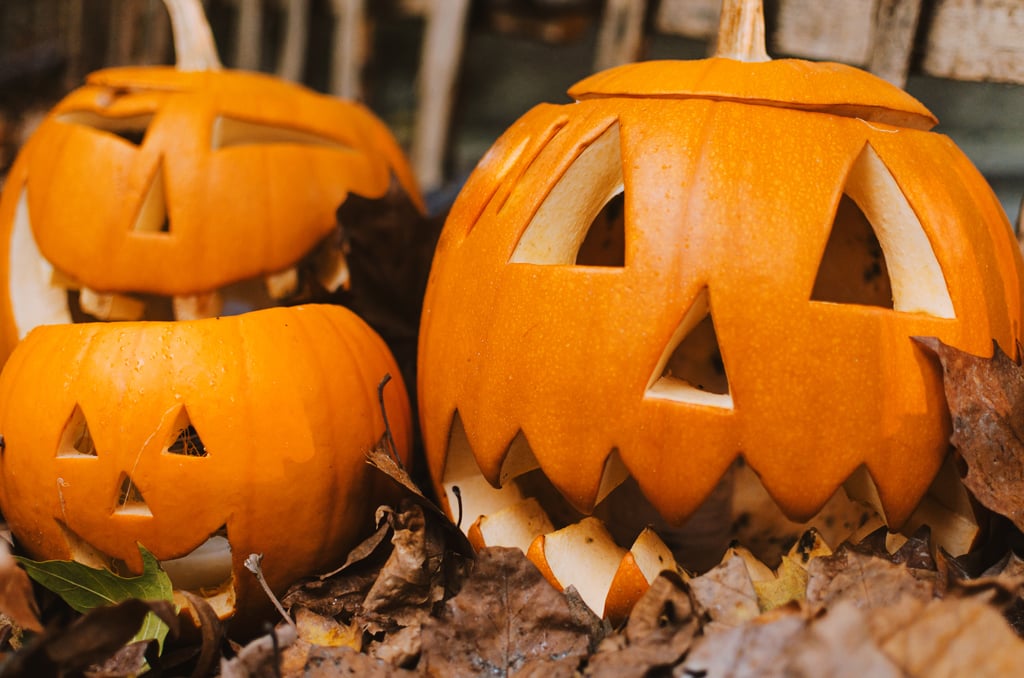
413	599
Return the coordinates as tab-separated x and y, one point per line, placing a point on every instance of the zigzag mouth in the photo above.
623	536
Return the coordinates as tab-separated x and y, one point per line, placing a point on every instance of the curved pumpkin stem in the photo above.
194	48
741	31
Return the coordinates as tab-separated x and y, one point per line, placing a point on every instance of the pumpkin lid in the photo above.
824	87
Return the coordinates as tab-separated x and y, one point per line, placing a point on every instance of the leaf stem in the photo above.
252	563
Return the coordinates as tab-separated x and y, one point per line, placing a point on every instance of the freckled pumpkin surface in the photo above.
736	182
165	433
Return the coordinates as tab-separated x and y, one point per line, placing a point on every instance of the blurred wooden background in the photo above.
450	75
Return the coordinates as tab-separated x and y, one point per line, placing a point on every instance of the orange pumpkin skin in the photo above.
732	174
250	170
284	401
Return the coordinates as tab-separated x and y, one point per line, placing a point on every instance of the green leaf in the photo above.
84	588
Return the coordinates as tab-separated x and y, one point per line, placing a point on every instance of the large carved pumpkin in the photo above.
698	260
201	440
189	191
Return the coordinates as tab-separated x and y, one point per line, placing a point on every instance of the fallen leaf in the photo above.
412	579
507	620
869	581
127	662
986	401
956	637
754	648
90	639
323	631
727	592
401	648
330	662
17	601
391	247
86	588
211	632
659	632
839	645
261	656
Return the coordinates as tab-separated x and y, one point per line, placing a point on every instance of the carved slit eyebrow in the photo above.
128	128
229	132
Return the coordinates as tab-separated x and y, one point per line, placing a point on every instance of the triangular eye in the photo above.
853	268
185	440
129	498
152	216
581	221
228	132
691	369
131	129
76	440
878	252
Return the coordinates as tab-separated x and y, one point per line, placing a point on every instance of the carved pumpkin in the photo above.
160	192
702	260
246	433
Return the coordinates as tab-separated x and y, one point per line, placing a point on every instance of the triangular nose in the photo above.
691	368
129	498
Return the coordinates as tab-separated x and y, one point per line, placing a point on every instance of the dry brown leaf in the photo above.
412	580
91	639
754	648
869	581
329	662
507	620
323	631
986	400
659	632
17	602
956	637
727	593
839	645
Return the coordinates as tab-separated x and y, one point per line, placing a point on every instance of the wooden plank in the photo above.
697	19
976	40
621	34
291	61
833	30
348	56
893	43
439	69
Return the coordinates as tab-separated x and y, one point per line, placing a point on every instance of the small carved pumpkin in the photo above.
206	439
160	192
702	260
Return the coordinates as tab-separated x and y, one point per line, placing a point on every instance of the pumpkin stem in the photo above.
194	47
741	31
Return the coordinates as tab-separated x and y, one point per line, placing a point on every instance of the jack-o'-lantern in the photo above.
189	191
204	441
702	261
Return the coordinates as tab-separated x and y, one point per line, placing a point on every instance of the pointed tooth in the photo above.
283	283
331	267
583	555
615	473
108	306
476	495
197	306
519	459
514	526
